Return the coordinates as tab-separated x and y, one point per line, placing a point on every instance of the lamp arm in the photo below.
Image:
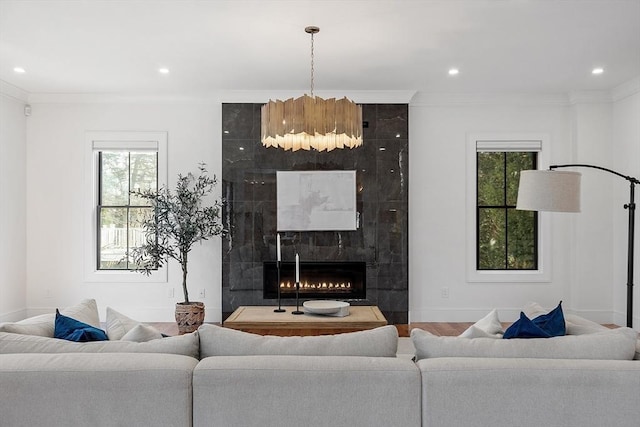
581	165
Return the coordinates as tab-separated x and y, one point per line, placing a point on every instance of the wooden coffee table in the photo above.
262	320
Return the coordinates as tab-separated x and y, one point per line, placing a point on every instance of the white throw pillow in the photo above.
487	327
118	324
533	310
142	333
43	325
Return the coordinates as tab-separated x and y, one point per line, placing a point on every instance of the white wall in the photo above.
438	210
626	159
588	257
591	290
13	283
55	177
588	249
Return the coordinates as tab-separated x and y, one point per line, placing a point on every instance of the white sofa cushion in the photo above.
614	344
86	311
187	345
220	341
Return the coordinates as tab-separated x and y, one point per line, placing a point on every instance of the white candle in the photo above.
297	268
278	248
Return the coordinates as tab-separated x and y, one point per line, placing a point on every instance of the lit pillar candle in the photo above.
297	268
278	248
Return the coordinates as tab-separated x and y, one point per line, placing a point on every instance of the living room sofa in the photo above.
126	389
109	388
222	377
159	390
526	392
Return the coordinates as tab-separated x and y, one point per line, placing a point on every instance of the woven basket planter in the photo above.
189	316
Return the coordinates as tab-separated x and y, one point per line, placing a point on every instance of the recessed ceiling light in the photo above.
453	71
19	70
597	70
163	70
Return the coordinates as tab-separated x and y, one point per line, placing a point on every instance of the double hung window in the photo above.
118	164
119	211
507	239
504	244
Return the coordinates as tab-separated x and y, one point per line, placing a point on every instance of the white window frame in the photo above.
500	142
96	141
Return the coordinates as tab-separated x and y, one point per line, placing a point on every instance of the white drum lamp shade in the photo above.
549	190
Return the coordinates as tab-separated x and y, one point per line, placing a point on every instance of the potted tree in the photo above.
182	218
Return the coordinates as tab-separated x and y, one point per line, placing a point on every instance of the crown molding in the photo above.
261	96
14	92
412	97
358	96
626	89
590	97
100	98
432	99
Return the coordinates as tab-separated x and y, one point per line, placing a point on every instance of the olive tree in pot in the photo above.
182	218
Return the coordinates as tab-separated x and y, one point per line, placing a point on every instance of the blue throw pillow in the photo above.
545	326
70	329
552	322
524	328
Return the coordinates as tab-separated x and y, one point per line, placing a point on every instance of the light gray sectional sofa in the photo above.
349	379
525	392
222	377
78	389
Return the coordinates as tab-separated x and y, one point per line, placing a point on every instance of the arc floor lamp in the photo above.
559	191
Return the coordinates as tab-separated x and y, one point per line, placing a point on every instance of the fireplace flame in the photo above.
317	286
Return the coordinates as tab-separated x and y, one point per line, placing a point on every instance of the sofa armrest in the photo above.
306	390
529	392
96	389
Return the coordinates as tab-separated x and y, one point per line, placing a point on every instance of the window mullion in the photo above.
506	211
128	208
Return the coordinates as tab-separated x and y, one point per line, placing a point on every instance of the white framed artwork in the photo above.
316	200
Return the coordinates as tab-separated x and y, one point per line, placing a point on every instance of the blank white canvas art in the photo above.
316	200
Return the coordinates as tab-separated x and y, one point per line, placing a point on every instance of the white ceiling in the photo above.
500	46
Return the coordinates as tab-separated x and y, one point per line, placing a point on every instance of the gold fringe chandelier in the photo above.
310	122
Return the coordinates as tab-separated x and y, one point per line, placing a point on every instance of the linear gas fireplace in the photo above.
329	280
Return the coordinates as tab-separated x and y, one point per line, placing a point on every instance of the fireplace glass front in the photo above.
321	280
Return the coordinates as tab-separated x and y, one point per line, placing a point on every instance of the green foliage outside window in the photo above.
506	238
121	213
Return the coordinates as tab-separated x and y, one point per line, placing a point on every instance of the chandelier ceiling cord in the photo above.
311	122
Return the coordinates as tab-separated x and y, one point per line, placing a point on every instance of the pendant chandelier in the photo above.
310	122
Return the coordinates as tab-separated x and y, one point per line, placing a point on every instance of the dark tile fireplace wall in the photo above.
249	188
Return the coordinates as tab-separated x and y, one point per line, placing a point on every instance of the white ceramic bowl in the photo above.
324	307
